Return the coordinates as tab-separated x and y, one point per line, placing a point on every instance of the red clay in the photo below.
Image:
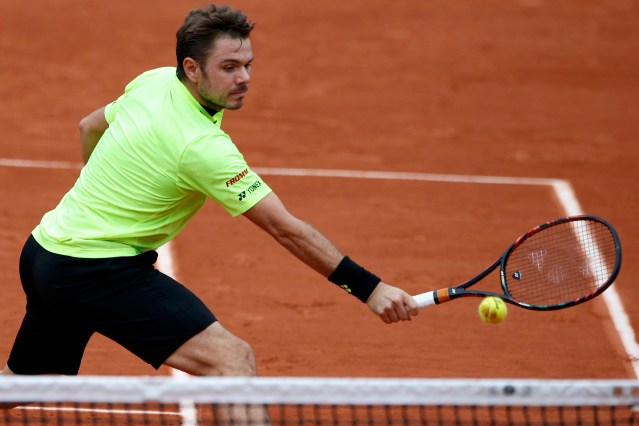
526	88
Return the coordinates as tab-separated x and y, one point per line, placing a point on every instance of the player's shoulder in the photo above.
151	77
157	72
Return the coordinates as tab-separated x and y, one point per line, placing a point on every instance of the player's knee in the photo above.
237	359
241	362
214	352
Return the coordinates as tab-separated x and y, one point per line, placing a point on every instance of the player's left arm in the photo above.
92	127
390	303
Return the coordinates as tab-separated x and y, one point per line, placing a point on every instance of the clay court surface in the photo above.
528	88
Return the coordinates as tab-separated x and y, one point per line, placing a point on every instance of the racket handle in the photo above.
425	299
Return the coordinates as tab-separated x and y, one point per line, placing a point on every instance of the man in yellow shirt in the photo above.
152	157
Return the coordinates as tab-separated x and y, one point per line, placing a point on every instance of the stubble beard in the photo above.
219	102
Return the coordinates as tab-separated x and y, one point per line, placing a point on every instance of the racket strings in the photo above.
562	263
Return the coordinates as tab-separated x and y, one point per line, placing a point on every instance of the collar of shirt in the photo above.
214	118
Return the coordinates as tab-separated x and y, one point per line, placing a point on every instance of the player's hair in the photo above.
202	27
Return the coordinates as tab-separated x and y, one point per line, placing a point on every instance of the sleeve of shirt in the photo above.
215	167
110	110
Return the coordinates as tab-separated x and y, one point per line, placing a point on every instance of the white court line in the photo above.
38	164
562	188
100	410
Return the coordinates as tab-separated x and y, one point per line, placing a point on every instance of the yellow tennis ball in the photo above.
492	310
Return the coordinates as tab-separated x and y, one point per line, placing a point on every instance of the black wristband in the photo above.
354	279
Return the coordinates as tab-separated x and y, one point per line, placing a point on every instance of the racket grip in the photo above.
425	299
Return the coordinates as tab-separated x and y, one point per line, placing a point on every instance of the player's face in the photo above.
225	75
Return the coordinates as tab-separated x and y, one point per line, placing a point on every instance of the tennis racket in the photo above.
555	265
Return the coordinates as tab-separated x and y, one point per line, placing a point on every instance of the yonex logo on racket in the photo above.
556	274
537	258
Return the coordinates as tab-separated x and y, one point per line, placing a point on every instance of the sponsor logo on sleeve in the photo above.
251	189
238	177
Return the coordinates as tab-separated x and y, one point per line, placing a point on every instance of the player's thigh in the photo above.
214	351
152	316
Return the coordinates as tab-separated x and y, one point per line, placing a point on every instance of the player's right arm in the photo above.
92	127
389	303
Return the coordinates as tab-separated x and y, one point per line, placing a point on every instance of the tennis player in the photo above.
153	157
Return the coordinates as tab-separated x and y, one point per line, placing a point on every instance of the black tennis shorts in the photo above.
124	298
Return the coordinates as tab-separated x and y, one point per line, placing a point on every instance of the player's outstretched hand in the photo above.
392	304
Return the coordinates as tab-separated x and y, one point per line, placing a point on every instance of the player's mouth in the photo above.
240	92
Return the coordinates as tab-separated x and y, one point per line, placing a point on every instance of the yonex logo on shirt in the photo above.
237	178
254	187
250	189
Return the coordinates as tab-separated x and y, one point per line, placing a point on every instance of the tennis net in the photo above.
93	400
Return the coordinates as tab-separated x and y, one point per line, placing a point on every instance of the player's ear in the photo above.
191	69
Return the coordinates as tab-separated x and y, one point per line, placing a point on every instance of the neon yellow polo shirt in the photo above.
160	158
